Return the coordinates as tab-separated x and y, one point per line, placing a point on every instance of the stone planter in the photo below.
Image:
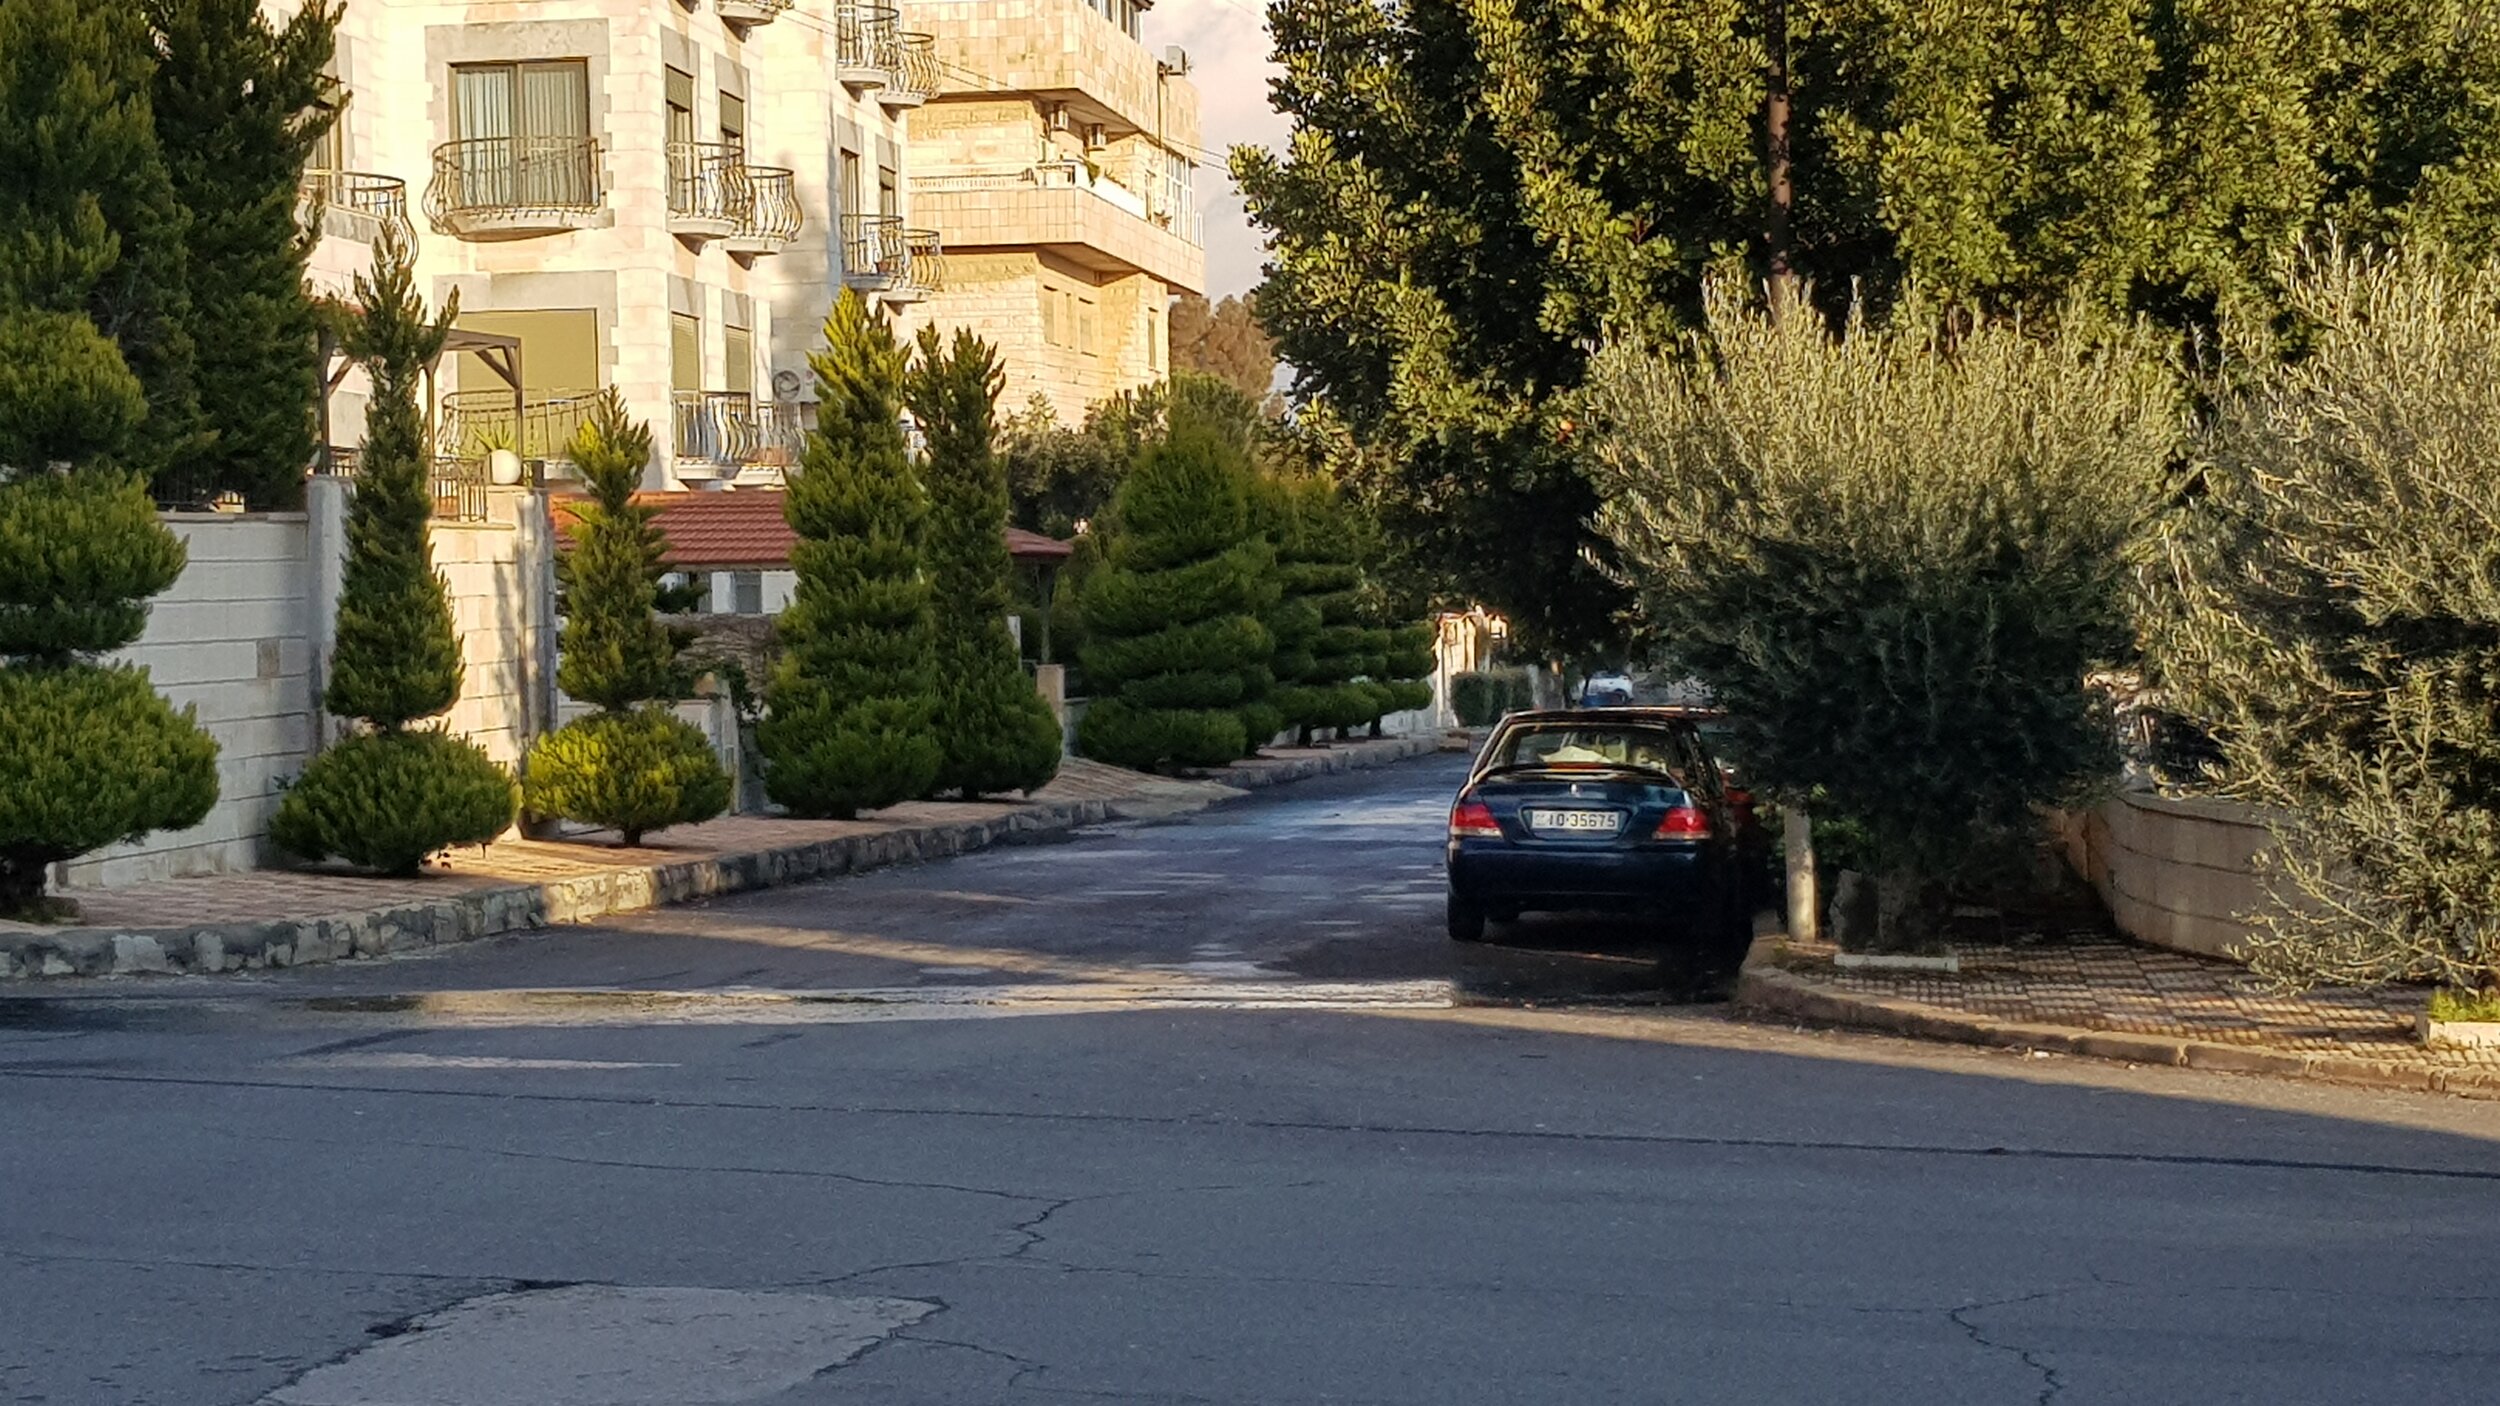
2458	1034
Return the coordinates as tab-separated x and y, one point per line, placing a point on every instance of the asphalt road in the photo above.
1196	1112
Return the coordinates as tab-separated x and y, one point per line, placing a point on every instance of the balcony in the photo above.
864	43
922	269
911	67
1067	208
494	188
746	14
476	422
874	255
775	440
708	190
353	205
731	435
770	217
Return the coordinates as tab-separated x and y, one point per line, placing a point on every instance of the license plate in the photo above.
1578	822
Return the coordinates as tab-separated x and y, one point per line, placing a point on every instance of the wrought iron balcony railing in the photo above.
714	432
770	217
353	204
873	252
514	187
911	66
922	270
708	190
863	42
476	422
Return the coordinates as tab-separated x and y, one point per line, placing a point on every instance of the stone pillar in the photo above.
325	553
1051	681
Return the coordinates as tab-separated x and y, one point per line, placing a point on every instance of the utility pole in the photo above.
1797	827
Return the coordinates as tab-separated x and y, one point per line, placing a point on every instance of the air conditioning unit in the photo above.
1095	138
1176	61
1058	119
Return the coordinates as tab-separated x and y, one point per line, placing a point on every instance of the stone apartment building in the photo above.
663	196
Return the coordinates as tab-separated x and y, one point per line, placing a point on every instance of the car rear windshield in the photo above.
1566	746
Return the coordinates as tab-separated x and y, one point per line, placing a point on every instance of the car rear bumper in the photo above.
1499	873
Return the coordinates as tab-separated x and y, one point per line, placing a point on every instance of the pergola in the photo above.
497	351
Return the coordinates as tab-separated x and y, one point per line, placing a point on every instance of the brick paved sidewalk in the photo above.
270	917
2090	993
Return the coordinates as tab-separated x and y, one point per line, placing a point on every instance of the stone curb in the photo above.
1358	755
489	912
1763	988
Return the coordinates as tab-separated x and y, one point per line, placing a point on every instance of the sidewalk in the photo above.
271	917
2091	994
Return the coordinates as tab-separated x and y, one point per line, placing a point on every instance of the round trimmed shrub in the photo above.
385	800
632	772
91	755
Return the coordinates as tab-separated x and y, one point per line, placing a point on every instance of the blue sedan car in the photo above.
1622	810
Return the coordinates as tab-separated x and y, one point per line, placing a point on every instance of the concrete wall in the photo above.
245	639
2175	873
233	640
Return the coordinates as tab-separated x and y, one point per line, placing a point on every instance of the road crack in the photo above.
2051	1381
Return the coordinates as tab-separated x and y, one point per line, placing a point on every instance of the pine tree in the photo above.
89	753
849	726
86	206
1174	641
994	731
387	798
239	108
633	766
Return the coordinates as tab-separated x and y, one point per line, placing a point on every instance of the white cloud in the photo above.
1228	49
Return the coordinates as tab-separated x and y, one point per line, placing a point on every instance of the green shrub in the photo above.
626	767
994	731
89	756
385	800
633	772
1894	555
2336	619
1171	613
850	721
1482	697
89	241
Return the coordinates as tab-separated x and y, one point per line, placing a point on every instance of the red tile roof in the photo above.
743	530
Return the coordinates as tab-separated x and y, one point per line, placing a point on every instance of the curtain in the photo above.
560	170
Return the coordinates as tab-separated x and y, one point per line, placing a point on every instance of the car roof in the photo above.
1638	713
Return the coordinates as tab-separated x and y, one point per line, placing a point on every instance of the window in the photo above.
331	154
524	130
848	196
685	352
680	106
733	123
738	360
1050	317
1085	327
888	201
1597	747
746	592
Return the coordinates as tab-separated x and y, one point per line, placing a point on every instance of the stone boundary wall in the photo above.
245	637
2174	873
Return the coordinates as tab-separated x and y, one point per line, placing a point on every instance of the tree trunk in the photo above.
1779	232
1805	910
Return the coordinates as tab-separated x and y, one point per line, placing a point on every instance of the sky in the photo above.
1227	44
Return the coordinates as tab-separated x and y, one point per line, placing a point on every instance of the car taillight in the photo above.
1473	820
1684	823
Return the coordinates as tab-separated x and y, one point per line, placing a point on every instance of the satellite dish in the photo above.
788	384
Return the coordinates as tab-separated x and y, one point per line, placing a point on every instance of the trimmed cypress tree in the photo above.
238	104
1328	570
90	754
994	731
1173	640
386	798
849	726
1279	508
633	766
1406	661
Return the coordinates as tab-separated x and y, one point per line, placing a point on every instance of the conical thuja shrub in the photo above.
388	798
633	766
994	731
848	725
1174	643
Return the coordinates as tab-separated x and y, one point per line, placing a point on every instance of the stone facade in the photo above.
1056	162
